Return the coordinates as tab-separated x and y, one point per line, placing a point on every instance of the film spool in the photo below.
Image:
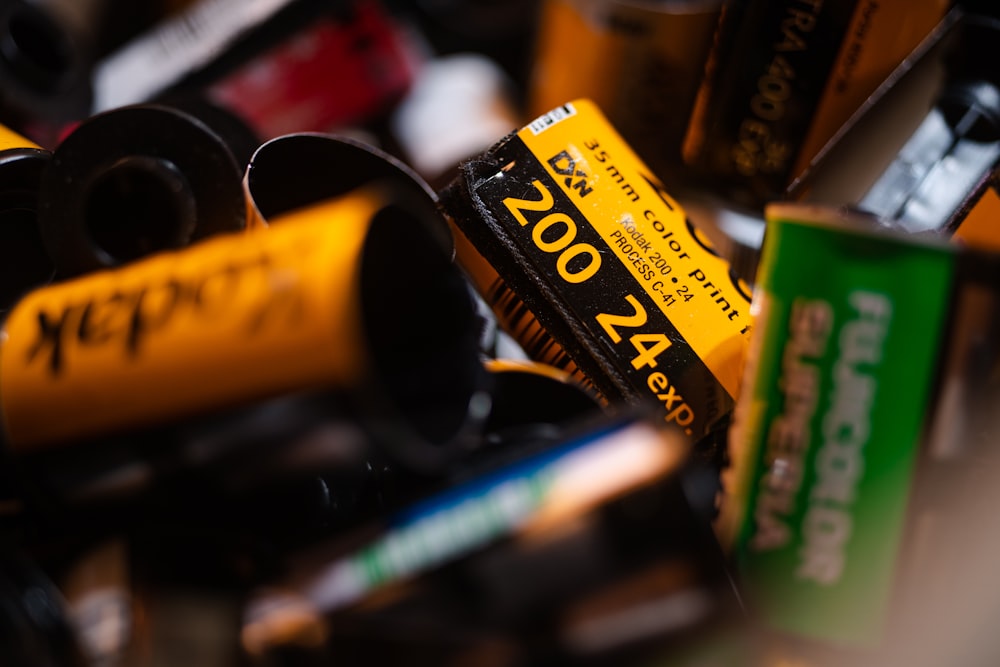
291	173
297	170
134	181
240	138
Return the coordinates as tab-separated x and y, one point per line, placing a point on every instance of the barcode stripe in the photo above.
549	119
522	325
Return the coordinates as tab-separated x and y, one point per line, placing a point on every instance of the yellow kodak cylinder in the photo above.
236	318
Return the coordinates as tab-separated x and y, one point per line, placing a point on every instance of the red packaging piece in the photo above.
335	73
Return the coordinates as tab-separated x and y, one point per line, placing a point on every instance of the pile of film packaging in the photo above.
539	332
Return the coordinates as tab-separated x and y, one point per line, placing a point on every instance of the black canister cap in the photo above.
134	181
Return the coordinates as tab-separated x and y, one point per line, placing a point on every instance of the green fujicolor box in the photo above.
849	323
